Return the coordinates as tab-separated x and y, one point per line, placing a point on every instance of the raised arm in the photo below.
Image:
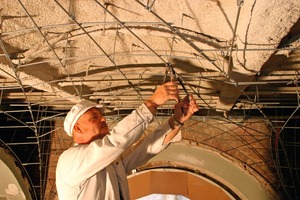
82	161
182	111
157	141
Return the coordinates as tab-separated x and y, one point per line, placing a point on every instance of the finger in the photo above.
193	107
170	84
186	99
173	94
174	97
191	99
172	90
193	102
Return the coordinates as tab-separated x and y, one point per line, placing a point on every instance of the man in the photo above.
96	167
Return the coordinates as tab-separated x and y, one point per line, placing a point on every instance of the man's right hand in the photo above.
162	94
165	92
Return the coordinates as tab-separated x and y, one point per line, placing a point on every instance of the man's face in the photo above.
93	124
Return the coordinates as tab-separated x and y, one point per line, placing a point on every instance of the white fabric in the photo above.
98	170
75	112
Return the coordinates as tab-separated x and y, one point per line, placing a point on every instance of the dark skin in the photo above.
182	111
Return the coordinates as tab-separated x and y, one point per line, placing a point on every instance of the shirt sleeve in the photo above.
82	161
150	146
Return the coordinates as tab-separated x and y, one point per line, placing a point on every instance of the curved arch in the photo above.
174	181
218	169
14	178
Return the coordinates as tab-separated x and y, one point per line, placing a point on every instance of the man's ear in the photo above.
77	128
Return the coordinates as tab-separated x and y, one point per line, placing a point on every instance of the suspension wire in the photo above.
167	63
239	3
151	4
277	159
246	143
96	43
175	31
48	43
169	66
159	56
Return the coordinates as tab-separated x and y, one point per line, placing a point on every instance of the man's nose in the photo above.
103	119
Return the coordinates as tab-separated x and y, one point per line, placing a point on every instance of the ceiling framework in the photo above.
237	58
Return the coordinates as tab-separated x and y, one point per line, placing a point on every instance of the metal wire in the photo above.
170	71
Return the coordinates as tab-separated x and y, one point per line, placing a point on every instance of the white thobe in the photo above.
98	170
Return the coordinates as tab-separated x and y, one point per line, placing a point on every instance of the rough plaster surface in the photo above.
53	53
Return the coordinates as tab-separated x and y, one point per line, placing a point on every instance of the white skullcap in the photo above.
75	112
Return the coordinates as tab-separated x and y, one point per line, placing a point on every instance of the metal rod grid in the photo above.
188	81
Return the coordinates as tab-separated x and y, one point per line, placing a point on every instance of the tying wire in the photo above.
159	56
150	6
106	54
239	3
48	43
175	31
172	73
171	69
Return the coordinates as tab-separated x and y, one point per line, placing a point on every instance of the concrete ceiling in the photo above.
116	52
233	56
